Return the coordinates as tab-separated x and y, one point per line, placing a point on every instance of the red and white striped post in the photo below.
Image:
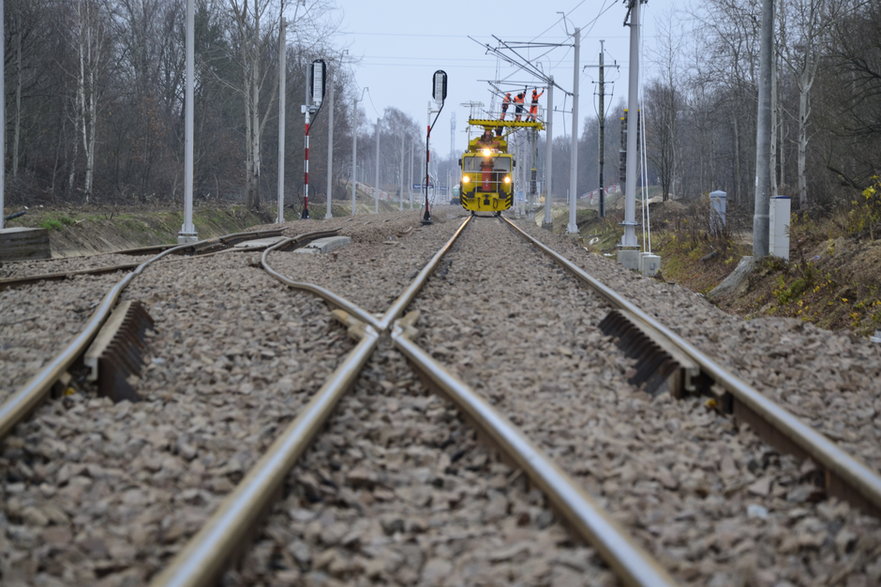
306	170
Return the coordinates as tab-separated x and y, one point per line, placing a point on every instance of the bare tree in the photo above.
255	26
89	38
810	22
663	104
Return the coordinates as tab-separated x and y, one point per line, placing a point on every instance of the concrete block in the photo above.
19	243
258	243
629	258
326	245
649	264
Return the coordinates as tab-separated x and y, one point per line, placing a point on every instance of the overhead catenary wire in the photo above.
603	9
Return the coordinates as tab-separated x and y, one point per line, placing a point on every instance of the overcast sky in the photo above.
397	45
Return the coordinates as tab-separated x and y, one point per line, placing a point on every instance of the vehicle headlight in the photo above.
486	152
507	179
465	179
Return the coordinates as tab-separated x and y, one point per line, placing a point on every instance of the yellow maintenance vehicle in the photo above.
487	182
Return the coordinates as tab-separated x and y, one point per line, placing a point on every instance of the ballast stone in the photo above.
326	245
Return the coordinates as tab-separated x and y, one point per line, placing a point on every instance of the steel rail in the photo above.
400	304
322	292
226	242
380	324
632	564
16	281
20	403
851	479
207	554
16	408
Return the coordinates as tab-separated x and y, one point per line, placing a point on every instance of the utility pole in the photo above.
412	157
355	149
628	251
282	87
376	176
452	153
328	213
548	220
572	227
187	232
401	183
3	115
601	117
602	121
761	210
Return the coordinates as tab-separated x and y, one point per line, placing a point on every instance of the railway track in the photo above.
603	431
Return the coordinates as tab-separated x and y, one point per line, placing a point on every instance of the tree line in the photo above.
94	94
95	101
826	101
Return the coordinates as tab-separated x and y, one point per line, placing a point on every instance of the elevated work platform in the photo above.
490	122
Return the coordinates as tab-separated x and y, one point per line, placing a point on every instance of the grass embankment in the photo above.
831	279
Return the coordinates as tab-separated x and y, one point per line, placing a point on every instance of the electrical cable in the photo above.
571	10
603	9
372	105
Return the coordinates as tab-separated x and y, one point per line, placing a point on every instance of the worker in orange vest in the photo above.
518	105
506	101
533	109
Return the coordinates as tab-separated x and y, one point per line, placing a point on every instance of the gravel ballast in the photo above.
398	490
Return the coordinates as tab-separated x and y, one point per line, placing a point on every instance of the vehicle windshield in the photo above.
475	164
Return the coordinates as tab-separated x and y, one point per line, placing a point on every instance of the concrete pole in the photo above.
450	172
763	135
376	177
282	87
602	121
187	232
572	227
355	149
412	157
629	238
401	189
329	212
549	154
354	154
2	117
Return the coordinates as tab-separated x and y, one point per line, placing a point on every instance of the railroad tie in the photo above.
660	366
117	352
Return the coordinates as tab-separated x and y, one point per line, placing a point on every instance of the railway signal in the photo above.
439	94
314	97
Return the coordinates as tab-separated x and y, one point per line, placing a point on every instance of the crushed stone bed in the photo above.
93	491
398	492
694	488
